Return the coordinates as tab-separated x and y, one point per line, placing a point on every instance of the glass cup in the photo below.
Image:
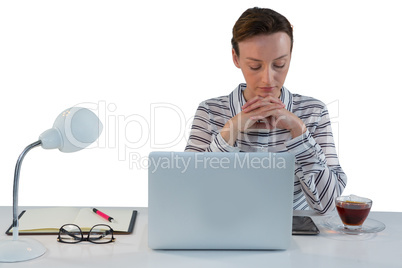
353	210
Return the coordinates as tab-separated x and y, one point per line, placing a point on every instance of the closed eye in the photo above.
280	66
255	68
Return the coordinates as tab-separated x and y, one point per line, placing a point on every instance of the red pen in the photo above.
103	215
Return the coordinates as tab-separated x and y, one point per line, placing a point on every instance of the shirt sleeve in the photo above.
205	132
317	167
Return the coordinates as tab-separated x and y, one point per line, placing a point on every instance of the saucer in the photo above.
369	226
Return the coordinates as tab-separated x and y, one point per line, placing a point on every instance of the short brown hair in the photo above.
256	21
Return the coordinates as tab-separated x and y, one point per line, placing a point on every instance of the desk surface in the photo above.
329	249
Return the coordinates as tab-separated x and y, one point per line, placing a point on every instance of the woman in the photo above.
263	114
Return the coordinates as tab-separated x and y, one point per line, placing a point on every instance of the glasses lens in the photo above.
70	233
100	234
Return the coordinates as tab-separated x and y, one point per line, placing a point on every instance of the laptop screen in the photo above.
220	200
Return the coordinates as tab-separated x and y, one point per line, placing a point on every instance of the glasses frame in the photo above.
82	235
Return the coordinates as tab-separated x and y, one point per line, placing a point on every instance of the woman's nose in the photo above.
268	76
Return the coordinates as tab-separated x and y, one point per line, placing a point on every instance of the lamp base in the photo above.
23	249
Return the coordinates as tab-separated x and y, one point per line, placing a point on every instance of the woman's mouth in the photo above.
267	89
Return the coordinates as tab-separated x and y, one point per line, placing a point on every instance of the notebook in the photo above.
220	200
49	220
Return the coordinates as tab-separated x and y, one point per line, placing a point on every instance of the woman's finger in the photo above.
252	101
256	103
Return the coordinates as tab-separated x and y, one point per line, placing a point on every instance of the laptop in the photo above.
220	200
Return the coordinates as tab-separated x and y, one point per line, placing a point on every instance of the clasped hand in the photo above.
262	113
265	113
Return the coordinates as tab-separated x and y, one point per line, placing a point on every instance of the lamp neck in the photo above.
17	178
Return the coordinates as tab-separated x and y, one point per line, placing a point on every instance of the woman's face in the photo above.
264	61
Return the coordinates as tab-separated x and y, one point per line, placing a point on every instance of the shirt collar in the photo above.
236	99
287	98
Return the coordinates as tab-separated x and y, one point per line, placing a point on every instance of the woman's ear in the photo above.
235	58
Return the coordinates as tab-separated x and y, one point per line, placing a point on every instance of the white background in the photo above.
145	66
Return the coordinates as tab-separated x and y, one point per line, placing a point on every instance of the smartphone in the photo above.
304	225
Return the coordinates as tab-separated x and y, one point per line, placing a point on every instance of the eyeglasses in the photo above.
99	234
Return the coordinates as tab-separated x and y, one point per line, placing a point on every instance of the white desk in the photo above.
328	249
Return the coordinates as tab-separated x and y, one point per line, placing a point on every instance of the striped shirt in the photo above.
319	178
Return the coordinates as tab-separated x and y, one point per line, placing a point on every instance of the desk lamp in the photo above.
73	130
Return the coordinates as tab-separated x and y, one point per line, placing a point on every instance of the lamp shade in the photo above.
73	130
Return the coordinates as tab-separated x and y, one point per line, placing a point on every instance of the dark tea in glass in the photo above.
353	210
